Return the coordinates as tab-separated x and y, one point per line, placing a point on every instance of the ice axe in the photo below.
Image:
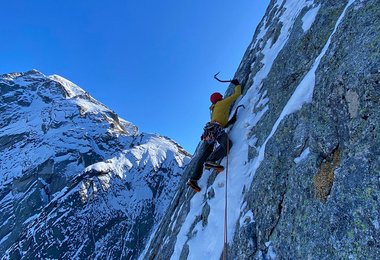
223	81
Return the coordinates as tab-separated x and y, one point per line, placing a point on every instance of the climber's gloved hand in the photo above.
235	82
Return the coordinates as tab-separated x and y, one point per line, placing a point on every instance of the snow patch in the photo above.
304	92
271	50
247	218
309	18
302	156
71	88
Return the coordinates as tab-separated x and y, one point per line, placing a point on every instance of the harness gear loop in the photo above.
212	131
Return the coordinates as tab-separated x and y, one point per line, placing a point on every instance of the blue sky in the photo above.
152	62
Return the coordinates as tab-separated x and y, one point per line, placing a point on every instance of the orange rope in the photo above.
225	204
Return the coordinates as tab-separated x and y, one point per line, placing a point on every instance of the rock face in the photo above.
304	171
77	181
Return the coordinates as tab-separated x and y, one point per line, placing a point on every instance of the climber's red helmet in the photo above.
215	97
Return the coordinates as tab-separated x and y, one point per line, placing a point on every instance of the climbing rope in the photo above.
225	204
230	122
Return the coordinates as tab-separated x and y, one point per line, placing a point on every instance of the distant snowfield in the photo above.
207	242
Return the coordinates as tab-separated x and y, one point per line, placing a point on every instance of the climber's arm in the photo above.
229	100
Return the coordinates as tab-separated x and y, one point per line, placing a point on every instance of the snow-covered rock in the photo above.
77	181
304	170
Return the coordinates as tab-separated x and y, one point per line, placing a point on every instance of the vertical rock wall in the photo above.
311	80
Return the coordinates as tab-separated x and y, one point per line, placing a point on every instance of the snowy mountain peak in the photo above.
32	72
22	78
71	168
70	88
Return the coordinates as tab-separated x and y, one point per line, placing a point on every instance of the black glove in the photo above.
235	82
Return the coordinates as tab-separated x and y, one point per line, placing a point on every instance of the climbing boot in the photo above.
194	185
213	165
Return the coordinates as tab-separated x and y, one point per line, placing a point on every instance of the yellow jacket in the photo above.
221	110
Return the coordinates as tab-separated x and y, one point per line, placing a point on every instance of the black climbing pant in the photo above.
209	154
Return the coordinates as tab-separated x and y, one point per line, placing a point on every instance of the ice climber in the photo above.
214	133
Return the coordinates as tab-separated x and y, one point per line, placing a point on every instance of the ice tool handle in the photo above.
223	81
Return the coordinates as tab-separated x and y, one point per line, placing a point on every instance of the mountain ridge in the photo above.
80	172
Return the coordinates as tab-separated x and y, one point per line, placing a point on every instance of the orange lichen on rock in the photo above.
324	179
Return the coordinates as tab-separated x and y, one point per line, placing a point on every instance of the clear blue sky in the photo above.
152	62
